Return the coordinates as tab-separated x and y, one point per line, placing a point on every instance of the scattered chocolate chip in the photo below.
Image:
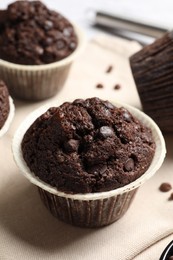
71	146
109	69
99	85
171	196
129	165
106	131
170	258
117	86
164	187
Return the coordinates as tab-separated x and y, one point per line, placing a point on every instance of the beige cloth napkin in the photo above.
28	231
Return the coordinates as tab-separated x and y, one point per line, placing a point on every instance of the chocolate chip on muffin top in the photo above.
4	103
88	146
31	34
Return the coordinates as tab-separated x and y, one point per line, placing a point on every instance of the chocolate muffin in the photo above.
31	34
88	146
152	69
4	103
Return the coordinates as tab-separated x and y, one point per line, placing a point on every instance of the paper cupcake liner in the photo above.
9	119
87	213
105	206
34	85
38	82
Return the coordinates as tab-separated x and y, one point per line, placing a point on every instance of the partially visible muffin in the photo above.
31	34
152	69
88	146
37	49
4	103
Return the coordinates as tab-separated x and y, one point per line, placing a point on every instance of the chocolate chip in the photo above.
67	31
129	165
60	158
72	45
60	44
48	25
109	69
71	146
170	258
165	186
39	50
109	105
48	41
127	117
106	131
117	86
99	85
98	169
171	197
78	101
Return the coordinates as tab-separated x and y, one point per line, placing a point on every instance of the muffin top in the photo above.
4	103
31	34
87	146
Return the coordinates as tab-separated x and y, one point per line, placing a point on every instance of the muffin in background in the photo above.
37	47
6	109
88	158
31	34
152	69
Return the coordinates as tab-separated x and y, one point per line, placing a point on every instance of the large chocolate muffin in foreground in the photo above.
4	103
88	146
31	34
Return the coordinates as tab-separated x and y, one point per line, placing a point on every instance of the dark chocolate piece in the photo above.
171	196
99	85
164	187
109	69
71	145
117	86
129	165
106	131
